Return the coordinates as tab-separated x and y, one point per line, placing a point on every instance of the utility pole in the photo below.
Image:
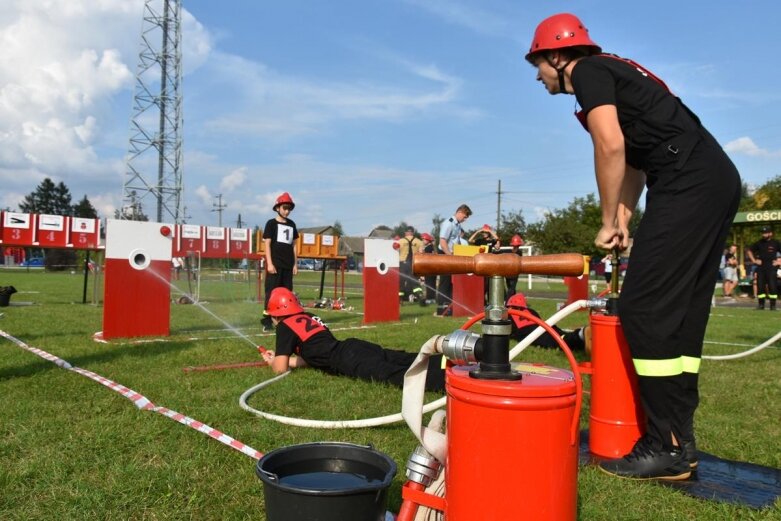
219	207
239	222
499	206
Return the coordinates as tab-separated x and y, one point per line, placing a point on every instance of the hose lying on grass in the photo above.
439	403
391	418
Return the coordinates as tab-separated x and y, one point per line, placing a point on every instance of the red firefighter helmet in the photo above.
284	199
516	240
517	301
558	32
427	237
282	302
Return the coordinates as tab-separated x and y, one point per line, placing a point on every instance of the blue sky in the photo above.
368	112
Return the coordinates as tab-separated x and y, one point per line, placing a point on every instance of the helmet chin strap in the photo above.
560	72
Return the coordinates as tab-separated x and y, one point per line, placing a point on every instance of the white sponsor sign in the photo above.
16	220
83	225
191	231
54	223
239	234
215	233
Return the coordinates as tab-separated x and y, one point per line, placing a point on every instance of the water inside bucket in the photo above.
327	480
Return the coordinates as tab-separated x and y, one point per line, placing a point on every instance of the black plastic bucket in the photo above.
325	481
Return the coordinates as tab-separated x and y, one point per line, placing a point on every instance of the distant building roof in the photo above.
351	246
318	230
381	232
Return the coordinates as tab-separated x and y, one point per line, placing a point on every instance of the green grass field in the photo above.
72	449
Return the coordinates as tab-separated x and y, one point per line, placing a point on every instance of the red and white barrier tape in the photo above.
140	400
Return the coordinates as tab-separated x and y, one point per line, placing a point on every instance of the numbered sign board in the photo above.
18	229
52	231
189	239
240	244
216	243
84	233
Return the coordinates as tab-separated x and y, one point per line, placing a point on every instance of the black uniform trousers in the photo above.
367	361
445	294
665	300
767	283
281	279
406	284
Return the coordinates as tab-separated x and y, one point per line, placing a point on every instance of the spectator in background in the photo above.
177	263
450	234
409	245
488	242
515	243
763	254
607	260
487	237
730	271
430	281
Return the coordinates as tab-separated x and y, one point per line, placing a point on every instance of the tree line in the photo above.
573	228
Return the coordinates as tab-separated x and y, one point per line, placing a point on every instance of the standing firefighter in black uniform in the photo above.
763	253
644	135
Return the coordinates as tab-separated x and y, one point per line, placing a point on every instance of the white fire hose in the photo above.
391	418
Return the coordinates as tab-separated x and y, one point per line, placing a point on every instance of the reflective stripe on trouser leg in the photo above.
669	367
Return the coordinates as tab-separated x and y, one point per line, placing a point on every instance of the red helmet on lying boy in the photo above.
283	303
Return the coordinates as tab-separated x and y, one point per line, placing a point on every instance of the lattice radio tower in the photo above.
154	160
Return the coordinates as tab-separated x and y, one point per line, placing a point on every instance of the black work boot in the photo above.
266	323
687	442
761	304
689	448
646	462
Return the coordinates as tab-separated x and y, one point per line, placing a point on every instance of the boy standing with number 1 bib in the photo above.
279	237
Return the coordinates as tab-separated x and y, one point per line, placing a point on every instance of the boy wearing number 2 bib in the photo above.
306	336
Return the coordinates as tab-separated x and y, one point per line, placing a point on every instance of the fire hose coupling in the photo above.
422	467
462	347
596	303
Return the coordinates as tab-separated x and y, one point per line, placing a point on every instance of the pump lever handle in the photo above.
502	264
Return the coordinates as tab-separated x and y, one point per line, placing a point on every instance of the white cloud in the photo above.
203	195
273	105
62	66
234	180
458	13
745	145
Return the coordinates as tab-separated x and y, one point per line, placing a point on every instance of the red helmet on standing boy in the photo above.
284	199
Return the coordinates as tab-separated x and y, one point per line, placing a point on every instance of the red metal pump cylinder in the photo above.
616	418
510	448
